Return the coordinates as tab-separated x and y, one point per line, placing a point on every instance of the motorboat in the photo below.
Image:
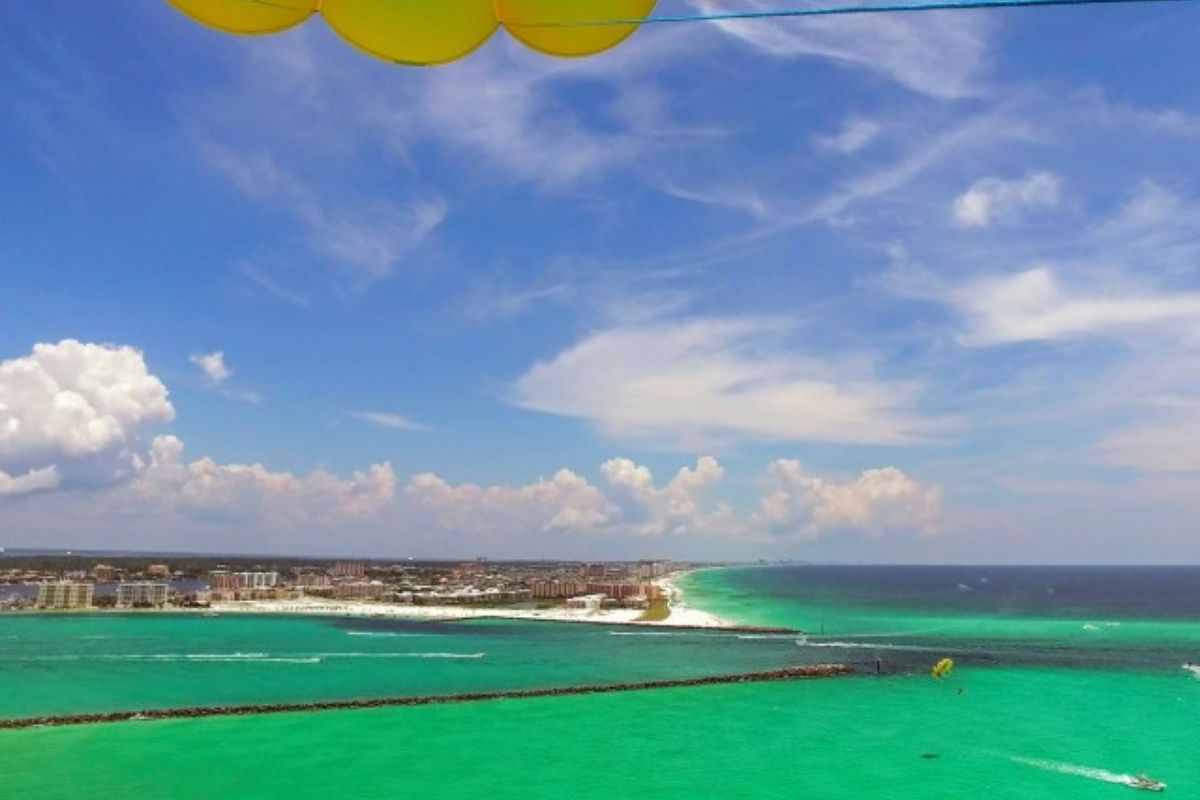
1146	783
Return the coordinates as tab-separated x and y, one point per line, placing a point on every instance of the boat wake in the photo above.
384	634
1063	767
774	636
866	646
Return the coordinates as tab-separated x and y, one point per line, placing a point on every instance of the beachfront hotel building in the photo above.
255	580
348	569
558	588
140	594
65	595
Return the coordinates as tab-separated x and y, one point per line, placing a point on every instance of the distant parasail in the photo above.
429	32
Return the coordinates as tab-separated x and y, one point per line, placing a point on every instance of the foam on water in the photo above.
648	633
384	634
1194	669
402	655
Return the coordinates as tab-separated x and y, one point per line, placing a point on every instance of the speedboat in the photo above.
1147	783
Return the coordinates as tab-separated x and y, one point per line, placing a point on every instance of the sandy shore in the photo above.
681	616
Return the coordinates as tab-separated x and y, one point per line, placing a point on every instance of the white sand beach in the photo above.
681	616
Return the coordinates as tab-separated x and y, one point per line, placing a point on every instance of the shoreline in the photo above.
682	616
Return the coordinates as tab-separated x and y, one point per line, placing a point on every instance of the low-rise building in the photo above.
142	594
64	595
591	602
313	580
360	590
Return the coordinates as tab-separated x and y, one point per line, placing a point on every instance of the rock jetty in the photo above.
785	674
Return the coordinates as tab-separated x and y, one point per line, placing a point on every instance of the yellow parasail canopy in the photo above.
428	32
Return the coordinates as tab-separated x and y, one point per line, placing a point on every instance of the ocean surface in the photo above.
1067	681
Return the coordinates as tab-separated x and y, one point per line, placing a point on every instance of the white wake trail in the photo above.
1094	773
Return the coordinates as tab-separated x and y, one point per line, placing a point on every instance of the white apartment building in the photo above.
133	594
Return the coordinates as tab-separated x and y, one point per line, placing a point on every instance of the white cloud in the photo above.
36	480
1033	305
216	372
1168	441
382	419
734	197
164	481
686	384
879	501
73	403
992	200
675	508
213	366
565	502
937	54
855	134
370	239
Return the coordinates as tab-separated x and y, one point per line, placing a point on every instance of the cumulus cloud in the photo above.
879	501
992	200
72	407
565	502
677	507
213	366
36	480
688	384
632	504
167	482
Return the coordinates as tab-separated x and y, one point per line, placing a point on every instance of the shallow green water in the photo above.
1000	728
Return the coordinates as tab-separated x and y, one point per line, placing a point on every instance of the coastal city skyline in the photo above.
934	302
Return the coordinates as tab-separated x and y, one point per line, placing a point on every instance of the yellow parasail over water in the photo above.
429	32
942	668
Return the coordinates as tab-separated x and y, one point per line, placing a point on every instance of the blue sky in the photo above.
910	287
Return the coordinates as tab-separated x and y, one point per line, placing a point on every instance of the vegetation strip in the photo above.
788	673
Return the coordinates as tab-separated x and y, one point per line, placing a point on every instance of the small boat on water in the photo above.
1147	784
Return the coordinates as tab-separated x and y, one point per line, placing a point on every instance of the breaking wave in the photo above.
402	655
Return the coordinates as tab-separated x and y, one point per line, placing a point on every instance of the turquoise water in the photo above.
1006	724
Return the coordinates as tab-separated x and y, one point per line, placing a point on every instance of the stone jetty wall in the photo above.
786	674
